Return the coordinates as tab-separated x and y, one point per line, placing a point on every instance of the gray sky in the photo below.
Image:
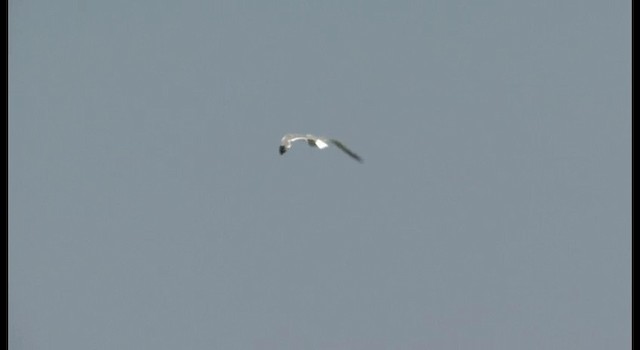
149	207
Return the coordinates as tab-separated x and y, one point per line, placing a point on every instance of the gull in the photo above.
315	141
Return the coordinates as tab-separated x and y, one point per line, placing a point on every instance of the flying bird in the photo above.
315	141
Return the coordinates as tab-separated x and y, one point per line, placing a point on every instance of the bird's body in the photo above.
314	141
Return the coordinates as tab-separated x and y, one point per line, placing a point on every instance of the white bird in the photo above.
314	141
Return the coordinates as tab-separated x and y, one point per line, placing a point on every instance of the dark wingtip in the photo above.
282	149
357	158
346	150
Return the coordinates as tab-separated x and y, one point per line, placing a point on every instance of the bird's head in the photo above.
282	149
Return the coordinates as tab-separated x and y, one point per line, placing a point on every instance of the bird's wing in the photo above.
292	137
320	142
346	150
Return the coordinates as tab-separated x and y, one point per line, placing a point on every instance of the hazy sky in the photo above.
149	207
